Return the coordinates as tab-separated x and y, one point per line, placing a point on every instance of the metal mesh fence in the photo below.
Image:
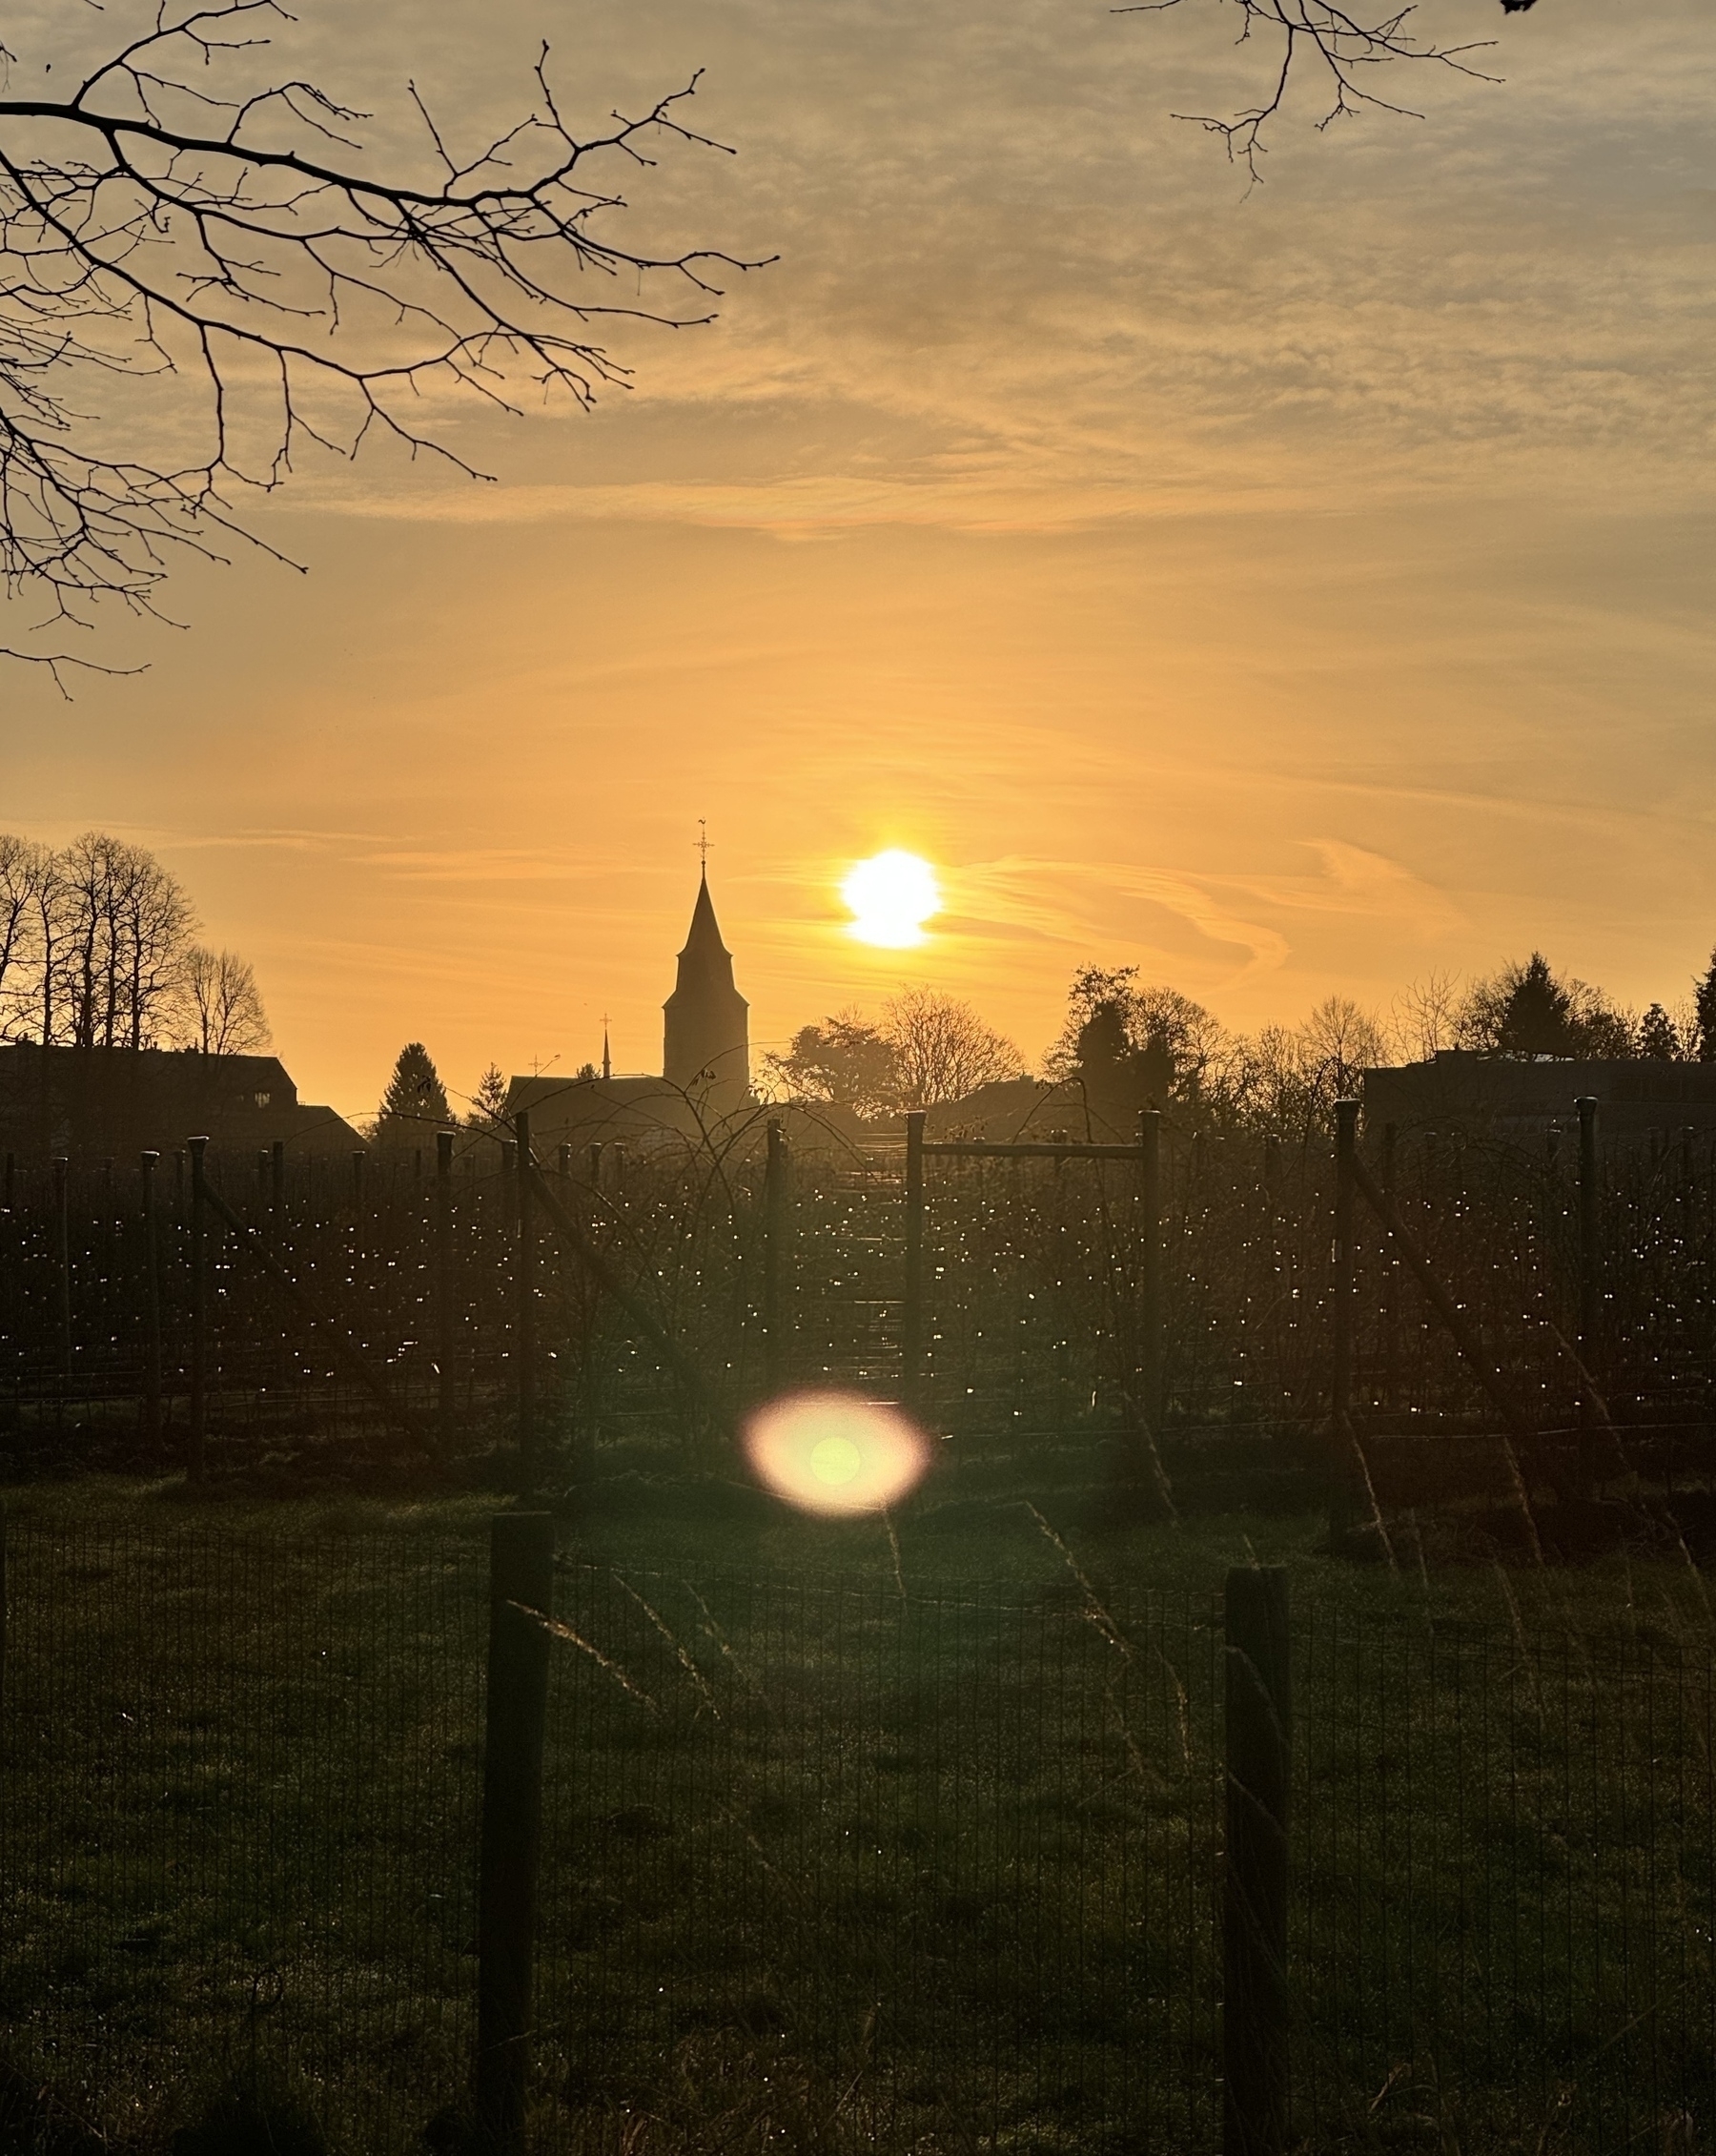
1032	1279
940	1866
241	1797
831	1865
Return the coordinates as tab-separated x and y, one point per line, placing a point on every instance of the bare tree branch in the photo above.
155	226
1338	47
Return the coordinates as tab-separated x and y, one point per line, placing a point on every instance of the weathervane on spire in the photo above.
703	845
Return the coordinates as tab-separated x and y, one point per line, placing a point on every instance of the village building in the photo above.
1521	1098
704	1082
95	1104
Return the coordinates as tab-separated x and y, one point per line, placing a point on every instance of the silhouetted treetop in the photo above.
415	1100
1525	1011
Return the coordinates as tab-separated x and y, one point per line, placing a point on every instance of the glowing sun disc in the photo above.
835	1452
891	896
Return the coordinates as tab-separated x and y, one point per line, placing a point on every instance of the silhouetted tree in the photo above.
488	1104
1703	1013
1658	1038
1525	1011
190	220
845	1062
1425	1016
943	1051
219	1004
93	940
415	1100
1179	1042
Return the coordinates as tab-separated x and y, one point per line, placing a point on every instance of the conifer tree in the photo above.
488	1103
415	1100
1659	1037
1703	1009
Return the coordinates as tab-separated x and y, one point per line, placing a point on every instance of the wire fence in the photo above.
1033	1278
832	1865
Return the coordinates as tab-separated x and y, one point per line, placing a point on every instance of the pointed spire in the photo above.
608	1061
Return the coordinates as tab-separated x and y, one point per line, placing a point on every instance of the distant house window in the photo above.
263	1098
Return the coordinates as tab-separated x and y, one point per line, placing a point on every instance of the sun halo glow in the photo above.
891	896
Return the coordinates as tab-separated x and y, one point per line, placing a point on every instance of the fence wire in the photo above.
898	1865
240	1800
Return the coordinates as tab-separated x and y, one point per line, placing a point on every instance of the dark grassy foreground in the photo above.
844	1850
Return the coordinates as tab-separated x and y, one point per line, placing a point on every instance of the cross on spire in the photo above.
703	845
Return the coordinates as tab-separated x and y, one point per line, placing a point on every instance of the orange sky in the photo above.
1282	593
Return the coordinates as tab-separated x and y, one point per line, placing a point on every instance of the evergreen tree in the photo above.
488	1103
1537	1019
414	1101
1703	1009
1658	1038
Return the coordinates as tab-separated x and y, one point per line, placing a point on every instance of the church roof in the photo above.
703	940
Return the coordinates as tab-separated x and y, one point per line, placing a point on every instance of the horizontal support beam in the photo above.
981	1149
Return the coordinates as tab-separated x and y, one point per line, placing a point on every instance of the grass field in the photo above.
897	1839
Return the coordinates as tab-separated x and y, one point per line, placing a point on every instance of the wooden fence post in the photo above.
151	1303
443	1290
911	1312
1259	1761
777	1228
525	1290
1589	1292
1340	1368
62	1261
196	1460
520	1581
1150	1270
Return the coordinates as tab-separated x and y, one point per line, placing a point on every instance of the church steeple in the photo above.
707	1038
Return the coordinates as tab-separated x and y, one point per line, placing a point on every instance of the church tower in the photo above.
707	1046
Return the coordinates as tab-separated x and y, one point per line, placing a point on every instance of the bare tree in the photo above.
1342	48
219	1005
123	930
159	226
24	867
1426	1014
943	1050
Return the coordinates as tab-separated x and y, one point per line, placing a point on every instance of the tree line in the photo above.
1125	1044
98	949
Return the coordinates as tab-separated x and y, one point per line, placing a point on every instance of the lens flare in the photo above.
834	1452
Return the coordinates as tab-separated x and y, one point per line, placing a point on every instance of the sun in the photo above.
891	896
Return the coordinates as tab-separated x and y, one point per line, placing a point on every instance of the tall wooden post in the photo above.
1589	1289
151	1303
358	1180
520	1581
1260	1766
197	1453
62	1261
277	1181
1150	1270
1341	1320
443	1290
912	1311
524	1288
1391	1275
777	1229
11	1170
